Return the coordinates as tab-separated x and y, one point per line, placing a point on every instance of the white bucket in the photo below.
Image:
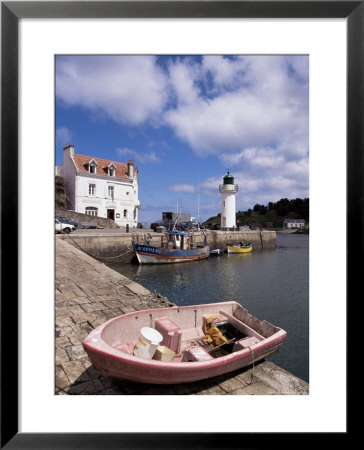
148	342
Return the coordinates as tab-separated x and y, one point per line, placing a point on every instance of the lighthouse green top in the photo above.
228	178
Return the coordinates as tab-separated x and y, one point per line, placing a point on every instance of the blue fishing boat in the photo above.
177	248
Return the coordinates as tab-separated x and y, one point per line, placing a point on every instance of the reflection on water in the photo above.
271	284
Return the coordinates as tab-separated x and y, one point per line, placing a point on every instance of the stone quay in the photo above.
88	293
115	245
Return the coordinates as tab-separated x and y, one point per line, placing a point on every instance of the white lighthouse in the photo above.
228	191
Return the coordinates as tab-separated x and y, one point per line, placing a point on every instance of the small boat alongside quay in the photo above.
217	251
243	248
177	249
190	343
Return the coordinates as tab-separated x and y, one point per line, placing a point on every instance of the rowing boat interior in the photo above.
188	326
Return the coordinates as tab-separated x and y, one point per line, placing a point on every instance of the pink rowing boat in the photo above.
201	341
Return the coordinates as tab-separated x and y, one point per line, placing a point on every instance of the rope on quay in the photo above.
252	372
99	258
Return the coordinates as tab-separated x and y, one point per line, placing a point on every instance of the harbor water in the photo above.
272	284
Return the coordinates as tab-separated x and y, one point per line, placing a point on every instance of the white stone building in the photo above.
294	223
100	187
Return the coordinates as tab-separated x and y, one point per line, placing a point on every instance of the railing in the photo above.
228	188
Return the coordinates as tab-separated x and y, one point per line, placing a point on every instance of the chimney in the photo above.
130	168
69	149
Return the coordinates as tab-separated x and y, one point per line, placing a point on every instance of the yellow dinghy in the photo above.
246	248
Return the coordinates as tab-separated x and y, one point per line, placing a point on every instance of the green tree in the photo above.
60	192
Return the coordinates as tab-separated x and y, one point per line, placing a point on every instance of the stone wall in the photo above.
117	247
259	239
106	248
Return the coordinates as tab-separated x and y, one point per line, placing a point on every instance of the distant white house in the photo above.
294	223
99	187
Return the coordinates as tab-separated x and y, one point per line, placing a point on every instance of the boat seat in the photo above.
245	343
196	353
239	325
172	334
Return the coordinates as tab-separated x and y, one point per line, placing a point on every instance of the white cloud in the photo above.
225	72
280	182
297	169
182	77
216	104
261	101
248	183
63	136
143	158
188	188
300	67
211	184
129	89
249	112
268	158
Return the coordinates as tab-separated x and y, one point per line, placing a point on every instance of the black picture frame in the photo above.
11	13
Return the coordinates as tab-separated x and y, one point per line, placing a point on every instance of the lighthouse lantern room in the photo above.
228	211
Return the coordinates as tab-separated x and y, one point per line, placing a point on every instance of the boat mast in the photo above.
198	202
176	221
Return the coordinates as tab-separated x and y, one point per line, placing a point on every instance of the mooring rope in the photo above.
100	258
252	372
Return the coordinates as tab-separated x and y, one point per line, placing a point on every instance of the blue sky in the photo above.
185	120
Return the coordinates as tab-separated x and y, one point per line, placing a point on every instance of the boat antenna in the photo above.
198	203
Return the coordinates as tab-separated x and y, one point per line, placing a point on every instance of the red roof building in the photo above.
100	187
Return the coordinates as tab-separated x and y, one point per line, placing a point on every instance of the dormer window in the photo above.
111	169
91	166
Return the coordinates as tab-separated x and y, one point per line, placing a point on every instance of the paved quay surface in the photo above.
87	294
